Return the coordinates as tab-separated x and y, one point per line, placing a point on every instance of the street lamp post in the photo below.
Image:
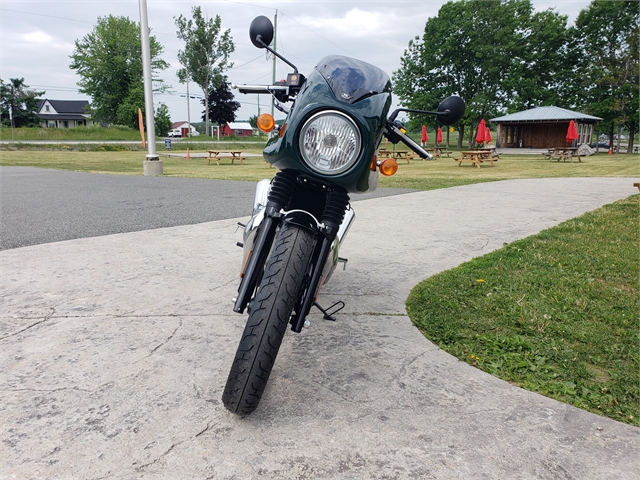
152	165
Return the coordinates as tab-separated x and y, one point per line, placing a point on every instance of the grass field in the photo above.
555	313
422	175
95	132
113	133
75	139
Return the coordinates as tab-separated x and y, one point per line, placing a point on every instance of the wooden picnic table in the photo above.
401	154
216	155
625	149
562	153
476	157
436	152
441	151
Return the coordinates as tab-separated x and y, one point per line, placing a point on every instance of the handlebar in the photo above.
394	134
261	88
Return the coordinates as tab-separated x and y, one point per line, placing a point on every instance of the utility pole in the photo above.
152	165
188	108
11	115
275	36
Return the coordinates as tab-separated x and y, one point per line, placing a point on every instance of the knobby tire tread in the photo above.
268	319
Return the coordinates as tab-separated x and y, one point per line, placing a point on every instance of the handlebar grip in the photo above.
422	153
253	89
261	88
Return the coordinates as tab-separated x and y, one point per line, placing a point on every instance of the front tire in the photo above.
269	316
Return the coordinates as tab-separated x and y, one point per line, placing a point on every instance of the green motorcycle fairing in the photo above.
357	89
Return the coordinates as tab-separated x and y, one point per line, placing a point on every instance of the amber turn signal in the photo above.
266	122
388	167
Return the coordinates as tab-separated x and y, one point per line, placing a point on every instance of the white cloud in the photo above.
37	37
355	23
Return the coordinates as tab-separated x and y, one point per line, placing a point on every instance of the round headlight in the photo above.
330	142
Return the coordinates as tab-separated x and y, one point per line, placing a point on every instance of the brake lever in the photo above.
281	107
394	134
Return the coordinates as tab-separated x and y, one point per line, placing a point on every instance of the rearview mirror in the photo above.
455	106
261	31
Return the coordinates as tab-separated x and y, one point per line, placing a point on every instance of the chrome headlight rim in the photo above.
352	157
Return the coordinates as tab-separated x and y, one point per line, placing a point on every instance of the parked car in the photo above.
600	144
175	133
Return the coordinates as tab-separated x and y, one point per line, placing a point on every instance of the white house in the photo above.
63	113
182	128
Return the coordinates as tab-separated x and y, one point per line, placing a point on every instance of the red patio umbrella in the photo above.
439	135
572	133
487	135
480	136
425	137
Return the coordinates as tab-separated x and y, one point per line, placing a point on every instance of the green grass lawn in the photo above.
555	313
423	175
96	133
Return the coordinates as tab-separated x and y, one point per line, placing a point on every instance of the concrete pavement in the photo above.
115	350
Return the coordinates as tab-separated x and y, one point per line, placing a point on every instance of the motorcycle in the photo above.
326	149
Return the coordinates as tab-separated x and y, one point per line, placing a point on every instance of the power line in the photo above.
68	19
43	15
171	34
250	5
56	89
247	63
315	33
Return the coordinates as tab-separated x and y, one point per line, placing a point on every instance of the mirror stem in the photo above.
426	112
264	45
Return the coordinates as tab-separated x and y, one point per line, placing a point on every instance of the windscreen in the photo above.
351	80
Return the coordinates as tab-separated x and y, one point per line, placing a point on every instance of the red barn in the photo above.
239	129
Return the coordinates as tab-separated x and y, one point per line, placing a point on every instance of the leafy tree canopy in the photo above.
17	98
607	34
221	105
206	52
498	55
162	120
109	61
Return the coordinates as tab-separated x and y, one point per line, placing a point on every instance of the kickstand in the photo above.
327	314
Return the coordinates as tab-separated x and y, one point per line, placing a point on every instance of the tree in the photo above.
206	53
221	105
607	34
481	51
15	97
162	120
544	68
109	60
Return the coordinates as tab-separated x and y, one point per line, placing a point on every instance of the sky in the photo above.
37	37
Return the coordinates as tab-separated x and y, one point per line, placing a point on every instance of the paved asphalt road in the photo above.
42	206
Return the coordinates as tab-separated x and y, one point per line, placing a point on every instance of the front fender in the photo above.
302	219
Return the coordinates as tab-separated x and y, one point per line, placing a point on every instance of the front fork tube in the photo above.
257	258
320	255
